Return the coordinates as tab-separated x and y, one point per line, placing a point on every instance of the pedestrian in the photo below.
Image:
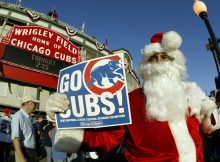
167	112
23	134
38	127
38	124
57	156
5	135
47	140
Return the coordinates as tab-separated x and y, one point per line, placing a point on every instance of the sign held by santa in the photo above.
97	93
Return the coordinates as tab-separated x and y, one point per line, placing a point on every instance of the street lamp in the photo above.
201	10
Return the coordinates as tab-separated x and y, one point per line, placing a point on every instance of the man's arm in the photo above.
72	140
100	139
203	107
17	147
15	134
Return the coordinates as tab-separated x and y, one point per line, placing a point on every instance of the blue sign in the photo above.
97	91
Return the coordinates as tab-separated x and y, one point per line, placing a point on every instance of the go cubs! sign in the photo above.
97	93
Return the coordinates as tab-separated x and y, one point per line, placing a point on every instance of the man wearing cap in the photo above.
5	135
166	112
23	135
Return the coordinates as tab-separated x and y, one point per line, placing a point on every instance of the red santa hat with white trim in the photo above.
168	43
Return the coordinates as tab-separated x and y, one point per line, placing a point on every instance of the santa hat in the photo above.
168	43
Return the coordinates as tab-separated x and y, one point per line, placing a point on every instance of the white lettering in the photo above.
66	114
108	103
13	42
76	80
30	47
92	106
64	57
64	83
36	31
81	112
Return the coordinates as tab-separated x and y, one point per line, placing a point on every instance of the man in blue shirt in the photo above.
23	135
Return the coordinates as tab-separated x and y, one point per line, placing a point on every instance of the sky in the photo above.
130	24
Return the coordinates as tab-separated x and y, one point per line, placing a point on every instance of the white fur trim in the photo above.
151	49
184	142
171	41
69	140
179	57
195	96
200	104
194	90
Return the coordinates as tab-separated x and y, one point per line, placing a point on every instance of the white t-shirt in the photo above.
5	129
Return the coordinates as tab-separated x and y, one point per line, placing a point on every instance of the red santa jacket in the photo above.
149	141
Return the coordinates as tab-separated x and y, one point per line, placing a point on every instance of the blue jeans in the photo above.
5	151
48	150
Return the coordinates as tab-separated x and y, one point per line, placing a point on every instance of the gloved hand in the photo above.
210	122
56	103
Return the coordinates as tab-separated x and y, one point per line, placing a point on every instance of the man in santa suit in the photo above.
167	113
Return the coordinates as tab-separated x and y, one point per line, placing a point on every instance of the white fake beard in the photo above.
166	98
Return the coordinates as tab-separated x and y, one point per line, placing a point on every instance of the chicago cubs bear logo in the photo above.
104	75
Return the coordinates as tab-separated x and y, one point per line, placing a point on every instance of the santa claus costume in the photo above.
166	113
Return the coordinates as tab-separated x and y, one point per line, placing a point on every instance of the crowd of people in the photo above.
172	120
33	137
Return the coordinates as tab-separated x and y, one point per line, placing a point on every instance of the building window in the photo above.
20	92
89	54
3	88
2	20
12	22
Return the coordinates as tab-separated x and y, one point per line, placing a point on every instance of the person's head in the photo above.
29	103
162	56
40	119
162	69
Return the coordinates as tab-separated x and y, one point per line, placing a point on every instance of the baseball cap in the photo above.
29	98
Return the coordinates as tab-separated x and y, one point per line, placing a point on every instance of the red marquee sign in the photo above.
42	41
35	54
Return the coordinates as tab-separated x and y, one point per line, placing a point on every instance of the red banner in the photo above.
42	41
